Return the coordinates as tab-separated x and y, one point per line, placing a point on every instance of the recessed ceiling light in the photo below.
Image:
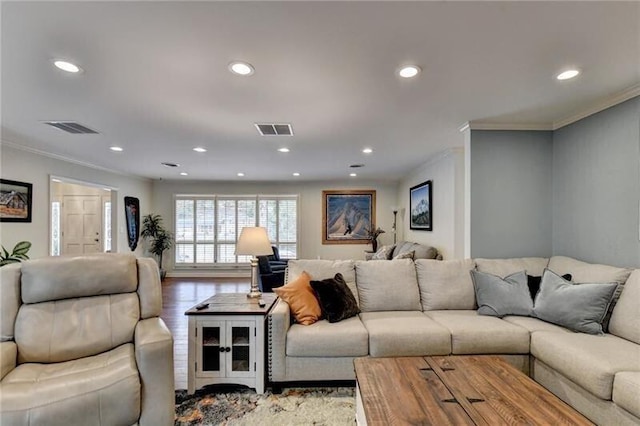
184	174
367	150
116	149
283	149
568	74
199	149
240	174
296	174
353	174
67	66
241	68
409	71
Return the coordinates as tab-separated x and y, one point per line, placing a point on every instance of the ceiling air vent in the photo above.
71	127
274	129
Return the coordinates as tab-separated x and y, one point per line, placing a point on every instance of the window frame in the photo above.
216	241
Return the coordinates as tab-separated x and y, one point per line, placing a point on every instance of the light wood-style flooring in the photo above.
180	294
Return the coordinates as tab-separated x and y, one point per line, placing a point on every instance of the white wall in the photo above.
36	169
510	193
446	171
596	187
310	209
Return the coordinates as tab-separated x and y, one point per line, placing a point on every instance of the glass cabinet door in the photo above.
241	336
211	342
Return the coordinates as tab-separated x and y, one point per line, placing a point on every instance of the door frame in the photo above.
53	179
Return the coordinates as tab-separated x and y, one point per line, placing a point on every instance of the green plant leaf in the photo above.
21	248
5	254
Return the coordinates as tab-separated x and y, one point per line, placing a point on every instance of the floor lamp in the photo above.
254	241
395	230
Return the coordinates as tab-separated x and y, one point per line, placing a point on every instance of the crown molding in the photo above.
600	105
594	108
488	125
4	142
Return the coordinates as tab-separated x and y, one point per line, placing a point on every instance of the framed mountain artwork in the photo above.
421	207
347	215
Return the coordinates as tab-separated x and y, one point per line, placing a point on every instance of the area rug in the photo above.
243	407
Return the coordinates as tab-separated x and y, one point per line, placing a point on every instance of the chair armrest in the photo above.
154	356
279	322
8	356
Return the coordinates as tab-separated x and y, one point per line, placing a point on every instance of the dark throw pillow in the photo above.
534	284
578	307
498	297
336	300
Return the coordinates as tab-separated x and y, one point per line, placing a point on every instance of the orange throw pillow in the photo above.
301	299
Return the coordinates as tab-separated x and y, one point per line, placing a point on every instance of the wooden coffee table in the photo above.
454	390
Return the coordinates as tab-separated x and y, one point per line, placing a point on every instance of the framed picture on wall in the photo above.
347	215
421	207
15	201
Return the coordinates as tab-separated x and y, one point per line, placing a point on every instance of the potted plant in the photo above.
158	238
373	234
18	254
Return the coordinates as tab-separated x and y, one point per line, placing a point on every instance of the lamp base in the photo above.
255	292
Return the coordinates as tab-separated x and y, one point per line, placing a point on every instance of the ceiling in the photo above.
156	81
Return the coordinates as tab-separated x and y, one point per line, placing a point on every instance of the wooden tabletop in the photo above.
235	304
456	390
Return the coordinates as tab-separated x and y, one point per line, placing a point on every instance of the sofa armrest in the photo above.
279	322
154	356
8	357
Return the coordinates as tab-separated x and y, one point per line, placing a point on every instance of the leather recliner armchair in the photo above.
82	343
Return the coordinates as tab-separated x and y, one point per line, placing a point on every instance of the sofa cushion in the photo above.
446	284
625	319
336	300
579	307
325	339
420	251
626	391
504	267
472	333
74	328
583	272
57	278
405	333
535	324
498	297
300	297
321	269
588	360
103	389
388	286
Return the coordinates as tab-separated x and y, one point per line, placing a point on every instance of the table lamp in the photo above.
254	241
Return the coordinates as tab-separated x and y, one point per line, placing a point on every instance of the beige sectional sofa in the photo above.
429	308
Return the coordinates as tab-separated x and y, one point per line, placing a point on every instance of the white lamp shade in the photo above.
254	241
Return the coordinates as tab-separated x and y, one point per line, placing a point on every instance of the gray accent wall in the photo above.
596	187
510	193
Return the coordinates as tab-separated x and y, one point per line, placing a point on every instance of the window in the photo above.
55	228
107	226
207	227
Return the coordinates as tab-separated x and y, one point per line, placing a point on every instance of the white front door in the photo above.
81	232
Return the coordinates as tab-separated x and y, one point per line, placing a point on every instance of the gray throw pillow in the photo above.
383	253
498	297
579	307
